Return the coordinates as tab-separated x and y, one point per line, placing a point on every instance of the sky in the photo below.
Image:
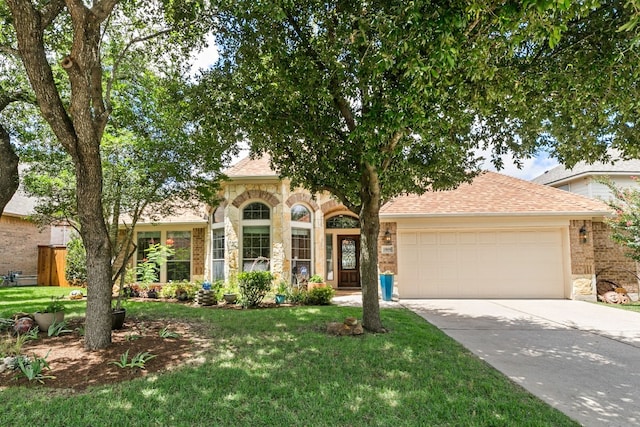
531	167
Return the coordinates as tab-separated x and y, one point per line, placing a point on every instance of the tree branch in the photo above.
334	85
120	58
27	23
51	11
388	150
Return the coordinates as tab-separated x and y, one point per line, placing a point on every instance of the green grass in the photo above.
278	367
632	306
30	299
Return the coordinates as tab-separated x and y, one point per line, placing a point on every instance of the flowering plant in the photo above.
625	222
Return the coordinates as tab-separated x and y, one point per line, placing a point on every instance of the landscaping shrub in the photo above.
254	285
76	269
180	290
320	296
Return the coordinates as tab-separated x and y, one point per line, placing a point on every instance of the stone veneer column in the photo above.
582	261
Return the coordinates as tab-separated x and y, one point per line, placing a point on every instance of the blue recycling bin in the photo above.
386	284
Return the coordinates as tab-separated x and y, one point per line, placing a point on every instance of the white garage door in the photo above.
480	264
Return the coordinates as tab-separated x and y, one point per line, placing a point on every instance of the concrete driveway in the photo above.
581	358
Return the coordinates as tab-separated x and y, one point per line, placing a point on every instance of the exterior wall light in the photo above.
387	236
584	238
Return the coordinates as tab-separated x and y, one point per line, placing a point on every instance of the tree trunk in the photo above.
9	177
369	229
95	237
79	129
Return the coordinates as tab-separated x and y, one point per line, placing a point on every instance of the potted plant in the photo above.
315	281
118	312
281	292
231	291
52	312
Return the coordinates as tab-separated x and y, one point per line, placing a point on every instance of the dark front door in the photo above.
349	261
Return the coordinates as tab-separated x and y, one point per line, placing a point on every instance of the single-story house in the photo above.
498	237
20	238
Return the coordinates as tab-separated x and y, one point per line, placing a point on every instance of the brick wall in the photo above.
610	261
19	240
388	261
582	253
197	269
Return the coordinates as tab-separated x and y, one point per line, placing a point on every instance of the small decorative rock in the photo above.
7	363
76	294
23	325
350	326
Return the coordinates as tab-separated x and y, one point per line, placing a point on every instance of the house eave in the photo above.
573	215
568	179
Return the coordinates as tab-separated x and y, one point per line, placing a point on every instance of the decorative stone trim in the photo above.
302	198
330	206
271	200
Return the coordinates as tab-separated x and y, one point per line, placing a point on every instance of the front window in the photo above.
217	269
179	264
256	236
300	254
256	244
145	240
301	243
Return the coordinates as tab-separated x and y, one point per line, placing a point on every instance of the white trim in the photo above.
252	223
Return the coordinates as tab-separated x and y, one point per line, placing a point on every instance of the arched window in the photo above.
301	243
256	211
300	213
256	236
343	221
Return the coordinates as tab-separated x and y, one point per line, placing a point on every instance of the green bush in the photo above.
254	285
320	296
175	289
76	270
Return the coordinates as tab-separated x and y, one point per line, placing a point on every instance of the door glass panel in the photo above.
329	256
349	254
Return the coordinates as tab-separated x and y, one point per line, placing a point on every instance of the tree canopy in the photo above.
370	100
76	57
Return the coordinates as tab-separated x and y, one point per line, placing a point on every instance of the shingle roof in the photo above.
248	167
494	194
20	205
560	173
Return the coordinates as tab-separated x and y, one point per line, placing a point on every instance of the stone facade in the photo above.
19	241
278	195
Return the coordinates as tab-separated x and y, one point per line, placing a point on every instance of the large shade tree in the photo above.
155	160
74	53
370	100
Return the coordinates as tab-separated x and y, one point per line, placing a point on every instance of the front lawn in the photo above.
278	367
632	306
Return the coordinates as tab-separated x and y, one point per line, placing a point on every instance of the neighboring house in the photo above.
610	263
583	178
20	238
498	237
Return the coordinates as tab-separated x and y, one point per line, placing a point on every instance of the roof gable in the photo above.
497	194
20	205
617	167
252	168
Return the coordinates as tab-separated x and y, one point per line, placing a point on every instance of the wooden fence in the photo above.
51	265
